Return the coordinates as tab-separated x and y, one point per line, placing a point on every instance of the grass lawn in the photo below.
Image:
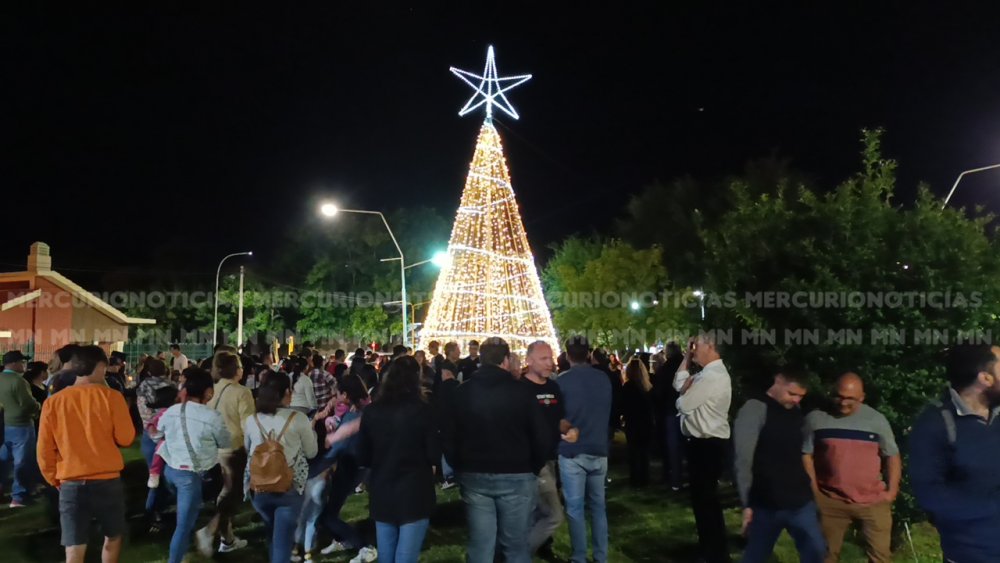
651	524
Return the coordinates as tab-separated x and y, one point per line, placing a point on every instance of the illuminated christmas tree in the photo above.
490	286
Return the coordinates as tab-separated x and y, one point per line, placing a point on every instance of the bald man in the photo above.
845	453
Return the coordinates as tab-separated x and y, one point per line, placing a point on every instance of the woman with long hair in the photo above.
400	444
637	412
280	509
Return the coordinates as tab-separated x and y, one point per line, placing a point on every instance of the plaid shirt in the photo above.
323	386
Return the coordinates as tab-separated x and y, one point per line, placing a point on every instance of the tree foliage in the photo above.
591	285
798	240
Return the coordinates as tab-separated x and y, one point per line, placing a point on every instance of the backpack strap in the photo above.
288	422
949	421
264	434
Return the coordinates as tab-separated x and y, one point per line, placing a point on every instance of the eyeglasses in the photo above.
844	399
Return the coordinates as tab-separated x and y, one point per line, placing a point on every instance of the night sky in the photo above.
126	137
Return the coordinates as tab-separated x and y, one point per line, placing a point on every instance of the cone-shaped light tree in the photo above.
490	286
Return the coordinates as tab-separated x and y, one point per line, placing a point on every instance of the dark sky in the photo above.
115	127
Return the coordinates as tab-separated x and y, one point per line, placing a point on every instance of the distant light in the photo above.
635	305
906	266
698	293
328	209
655	302
250	253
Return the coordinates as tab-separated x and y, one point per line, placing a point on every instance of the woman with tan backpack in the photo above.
279	440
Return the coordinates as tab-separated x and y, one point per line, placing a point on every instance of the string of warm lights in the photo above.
491	285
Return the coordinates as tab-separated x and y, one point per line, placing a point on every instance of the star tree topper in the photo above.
491	87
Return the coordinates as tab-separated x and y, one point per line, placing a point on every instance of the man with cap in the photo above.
19	412
115	376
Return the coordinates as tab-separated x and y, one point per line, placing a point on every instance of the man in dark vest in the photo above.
774	487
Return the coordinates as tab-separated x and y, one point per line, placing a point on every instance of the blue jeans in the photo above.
583	485
187	488
313	502
400	544
155	497
504	499
19	449
280	512
802	524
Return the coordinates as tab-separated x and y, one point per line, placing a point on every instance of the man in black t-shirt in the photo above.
469	364
548	514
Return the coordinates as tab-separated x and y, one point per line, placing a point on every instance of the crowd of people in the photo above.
526	440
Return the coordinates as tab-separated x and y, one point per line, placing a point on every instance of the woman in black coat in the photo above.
637	412
399	442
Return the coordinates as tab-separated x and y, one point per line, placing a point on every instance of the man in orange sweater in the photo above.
81	429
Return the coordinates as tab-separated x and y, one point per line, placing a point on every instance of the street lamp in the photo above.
701	299
959	179
215	317
330	210
440	259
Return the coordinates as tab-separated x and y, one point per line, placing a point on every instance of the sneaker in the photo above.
296	557
203	542
334	547
447	485
237	544
359	489
17	504
153	482
366	555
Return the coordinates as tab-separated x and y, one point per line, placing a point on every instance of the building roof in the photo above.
39	265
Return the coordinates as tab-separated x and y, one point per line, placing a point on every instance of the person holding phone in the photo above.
703	407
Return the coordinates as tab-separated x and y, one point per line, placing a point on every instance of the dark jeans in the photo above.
280	512
706	458
346	477
673	457
156	499
498	506
802	524
638	443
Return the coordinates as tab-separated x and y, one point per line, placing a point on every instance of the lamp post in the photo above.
701	299
962	175
330	210
215	317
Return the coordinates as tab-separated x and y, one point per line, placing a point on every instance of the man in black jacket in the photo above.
774	487
498	440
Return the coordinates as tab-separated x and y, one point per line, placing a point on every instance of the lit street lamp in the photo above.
215	317
959	179
441	259
701	298
330	210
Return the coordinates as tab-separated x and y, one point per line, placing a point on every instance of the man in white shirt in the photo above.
179	362
704	410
